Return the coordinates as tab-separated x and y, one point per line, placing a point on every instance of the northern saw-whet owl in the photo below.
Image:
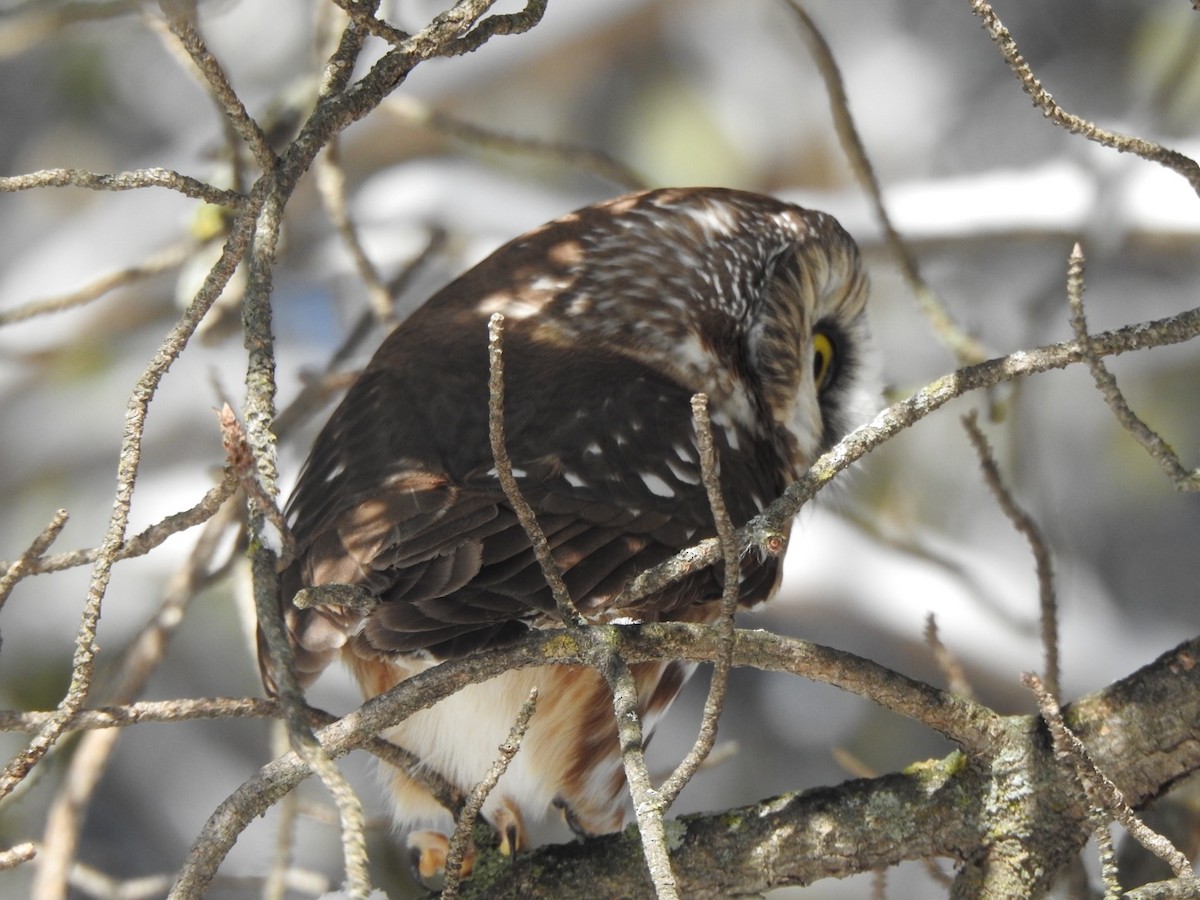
616	314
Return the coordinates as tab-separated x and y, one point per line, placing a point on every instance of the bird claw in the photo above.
427	852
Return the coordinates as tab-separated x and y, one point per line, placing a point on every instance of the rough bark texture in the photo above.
1012	816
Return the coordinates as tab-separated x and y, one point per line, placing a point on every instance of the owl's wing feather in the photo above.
417	517
612	324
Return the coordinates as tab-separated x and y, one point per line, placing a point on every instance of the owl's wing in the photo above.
411	509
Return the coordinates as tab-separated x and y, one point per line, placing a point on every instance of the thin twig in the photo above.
461	29
83	660
144	711
1148	150
23	566
331	183
89	761
603	657
287	817
1043	560
240	459
1109	871
764	530
17	854
461	839
966	349
260	445
879	884
366	19
339	67
583	158
181	22
525	515
1106	383
1176	888
947	662
714	702
90	882
1102	794
124	181
647	803
306	745
145	541
166	259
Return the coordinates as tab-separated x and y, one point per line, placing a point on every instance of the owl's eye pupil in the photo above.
824	360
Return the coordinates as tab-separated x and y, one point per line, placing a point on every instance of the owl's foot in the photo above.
589	825
427	850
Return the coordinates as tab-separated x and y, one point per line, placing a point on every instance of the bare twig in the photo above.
580	157
647	803
17	854
1043	561
603	657
461	838
180	20
83	661
365	18
966	349
714	702
1102	794
947	662
764	530
90	882
89	761
240	459
460	29
1106	383
525	515
331	181
339	67
259	445
145	541
15	571
124	181
303	741
1176	888
184	710
1108	862
159	262
1148	150
288	815
144	711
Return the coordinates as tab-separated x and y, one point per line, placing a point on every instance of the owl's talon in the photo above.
427	852
510	831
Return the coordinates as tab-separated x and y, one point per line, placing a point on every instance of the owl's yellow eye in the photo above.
824	360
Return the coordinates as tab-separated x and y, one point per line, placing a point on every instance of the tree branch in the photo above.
764	530
1148	150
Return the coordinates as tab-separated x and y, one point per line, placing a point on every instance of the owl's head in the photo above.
758	303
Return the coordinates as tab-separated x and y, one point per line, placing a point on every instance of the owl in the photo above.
616	314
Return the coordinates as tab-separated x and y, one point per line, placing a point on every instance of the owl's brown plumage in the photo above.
615	315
